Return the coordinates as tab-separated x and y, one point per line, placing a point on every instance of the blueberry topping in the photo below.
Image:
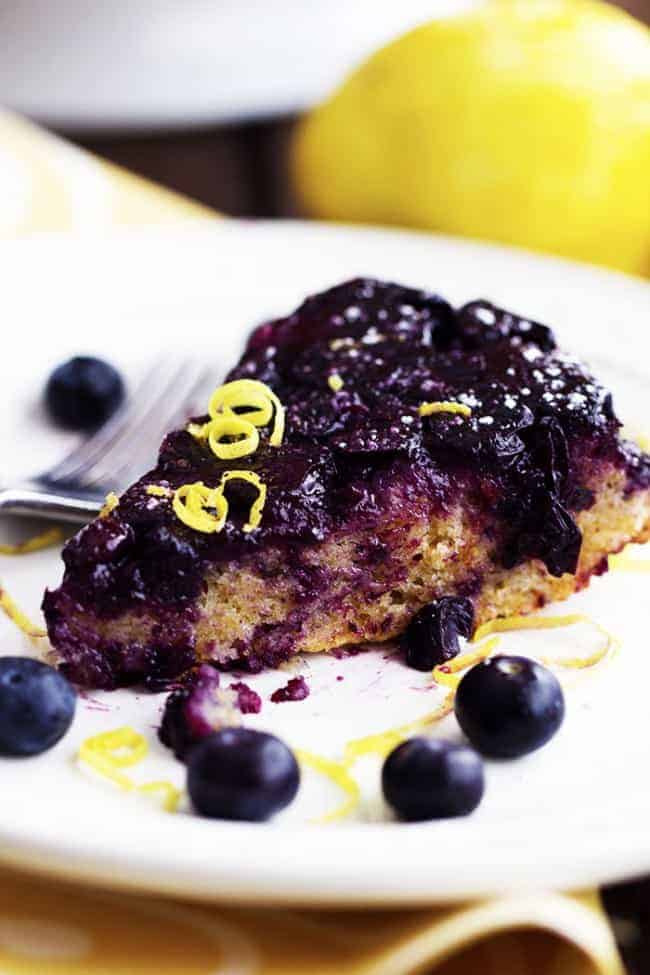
432	635
550	451
425	778
83	392
37	706
509	706
241	774
480	322
362	461
547	532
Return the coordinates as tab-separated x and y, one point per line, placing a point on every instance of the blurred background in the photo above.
204	96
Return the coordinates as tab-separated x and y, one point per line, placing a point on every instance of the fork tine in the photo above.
92	447
176	416
132	434
122	460
152	401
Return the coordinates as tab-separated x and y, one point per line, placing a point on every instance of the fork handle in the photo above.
41	503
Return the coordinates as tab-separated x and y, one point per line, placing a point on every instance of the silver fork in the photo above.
75	489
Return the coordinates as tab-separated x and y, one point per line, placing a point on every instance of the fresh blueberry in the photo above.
431	637
37	706
238	773
509	706
83	392
425	778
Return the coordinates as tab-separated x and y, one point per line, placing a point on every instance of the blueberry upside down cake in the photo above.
373	452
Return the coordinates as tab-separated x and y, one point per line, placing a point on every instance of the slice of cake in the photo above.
385	451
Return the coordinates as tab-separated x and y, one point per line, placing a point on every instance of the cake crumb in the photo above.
296	689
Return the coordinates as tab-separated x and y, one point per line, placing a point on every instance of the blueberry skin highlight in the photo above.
241	774
509	706
83	393
425	778
37	705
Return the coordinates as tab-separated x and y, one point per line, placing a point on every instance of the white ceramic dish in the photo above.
172	65
575	813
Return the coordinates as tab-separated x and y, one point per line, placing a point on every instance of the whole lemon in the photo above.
525	121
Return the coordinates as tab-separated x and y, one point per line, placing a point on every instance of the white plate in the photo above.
573	814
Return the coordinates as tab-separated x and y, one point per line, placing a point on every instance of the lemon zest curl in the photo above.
444	406
110	751
158	491
170	795
448	673
384	741
193	503
337	773
245	438
508	623
260	403
255	514
110	504
46	539
16	615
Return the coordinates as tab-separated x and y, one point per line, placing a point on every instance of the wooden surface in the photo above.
238	170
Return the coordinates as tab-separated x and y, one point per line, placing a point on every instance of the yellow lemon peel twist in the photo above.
120	748
383	742
158	491
45	540
247	393
449	674
194	503
260	403
244	437
170	795
337	773
444	406
16	615
255	514
335	382
509	623
110	504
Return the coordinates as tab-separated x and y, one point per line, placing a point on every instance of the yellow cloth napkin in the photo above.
73	931
47	927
